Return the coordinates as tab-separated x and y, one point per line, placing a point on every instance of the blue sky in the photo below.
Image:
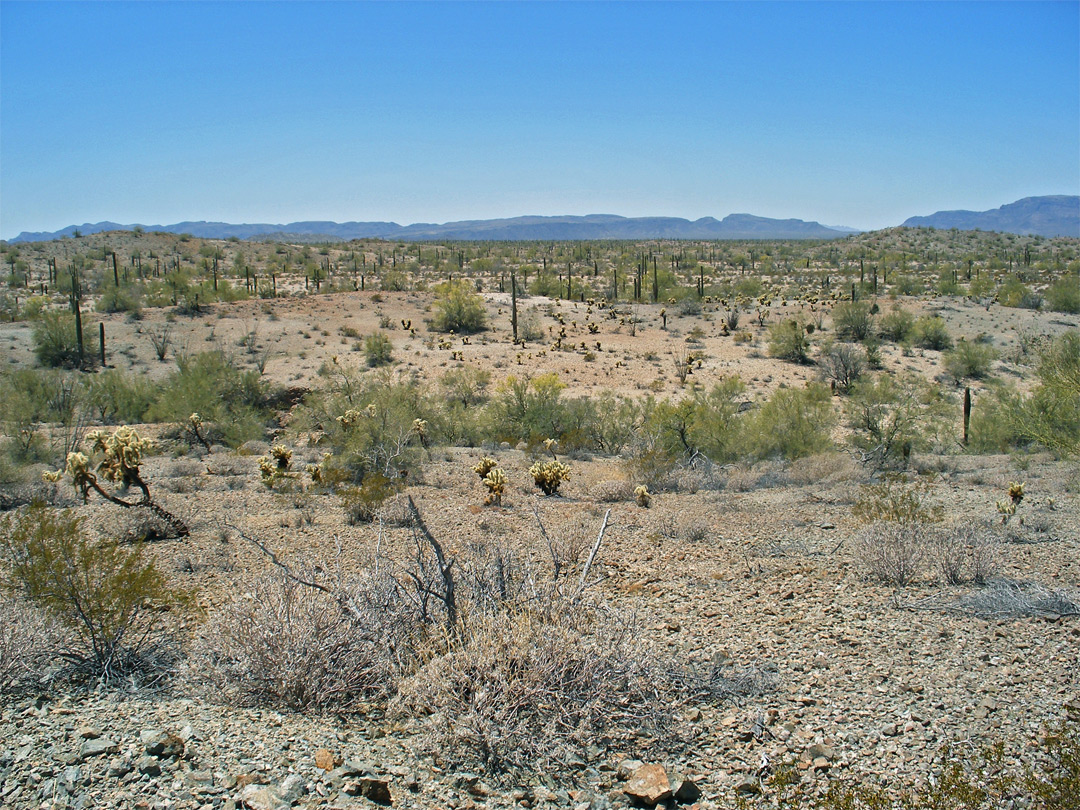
856	113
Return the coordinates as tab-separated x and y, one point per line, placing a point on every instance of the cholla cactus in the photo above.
642	496
194	427
550	445
548	475
1008	508
118	458
419	429
484	466
275	468
495	481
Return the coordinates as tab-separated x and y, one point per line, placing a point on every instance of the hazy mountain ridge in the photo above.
1054	215
592	226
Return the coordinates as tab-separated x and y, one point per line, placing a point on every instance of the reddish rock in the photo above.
649	785
327	760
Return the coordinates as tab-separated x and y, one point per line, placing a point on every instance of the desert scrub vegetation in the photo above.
111	601
378	350
788	341
970	360
232	402
500	662
458	308
58	344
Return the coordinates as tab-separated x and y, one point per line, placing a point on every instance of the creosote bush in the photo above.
109	596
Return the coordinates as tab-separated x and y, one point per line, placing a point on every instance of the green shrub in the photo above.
212	385
361	504
788	341
117	397
891	417
793	423
1051	415
897	326
378	350
458	308
370	422
852	320
528	409
109	596
1064	294
932	333
970	359
119	299
1014	293
56	341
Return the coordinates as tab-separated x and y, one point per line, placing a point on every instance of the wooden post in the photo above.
101	338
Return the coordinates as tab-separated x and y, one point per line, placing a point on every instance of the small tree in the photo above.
458	308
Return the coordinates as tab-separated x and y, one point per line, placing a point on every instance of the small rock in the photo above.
649	785
292	788
627	767
148	766
161	744
748	786
693	715
88	732
890	730
327	760
97	747
376	790
261	797
818	750
684	790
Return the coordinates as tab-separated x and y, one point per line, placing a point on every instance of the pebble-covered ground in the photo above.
755	567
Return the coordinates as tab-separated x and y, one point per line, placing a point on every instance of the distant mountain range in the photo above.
1057	215
1048	216
594	226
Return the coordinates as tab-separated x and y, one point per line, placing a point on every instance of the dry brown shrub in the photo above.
29	640
289	645
823	468
966	553
612	491
893	553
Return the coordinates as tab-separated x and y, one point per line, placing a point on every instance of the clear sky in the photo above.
853	113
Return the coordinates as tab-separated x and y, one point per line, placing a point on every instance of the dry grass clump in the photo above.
29	640
968	553
612	491
290	645
893	553
1007	598
823	468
